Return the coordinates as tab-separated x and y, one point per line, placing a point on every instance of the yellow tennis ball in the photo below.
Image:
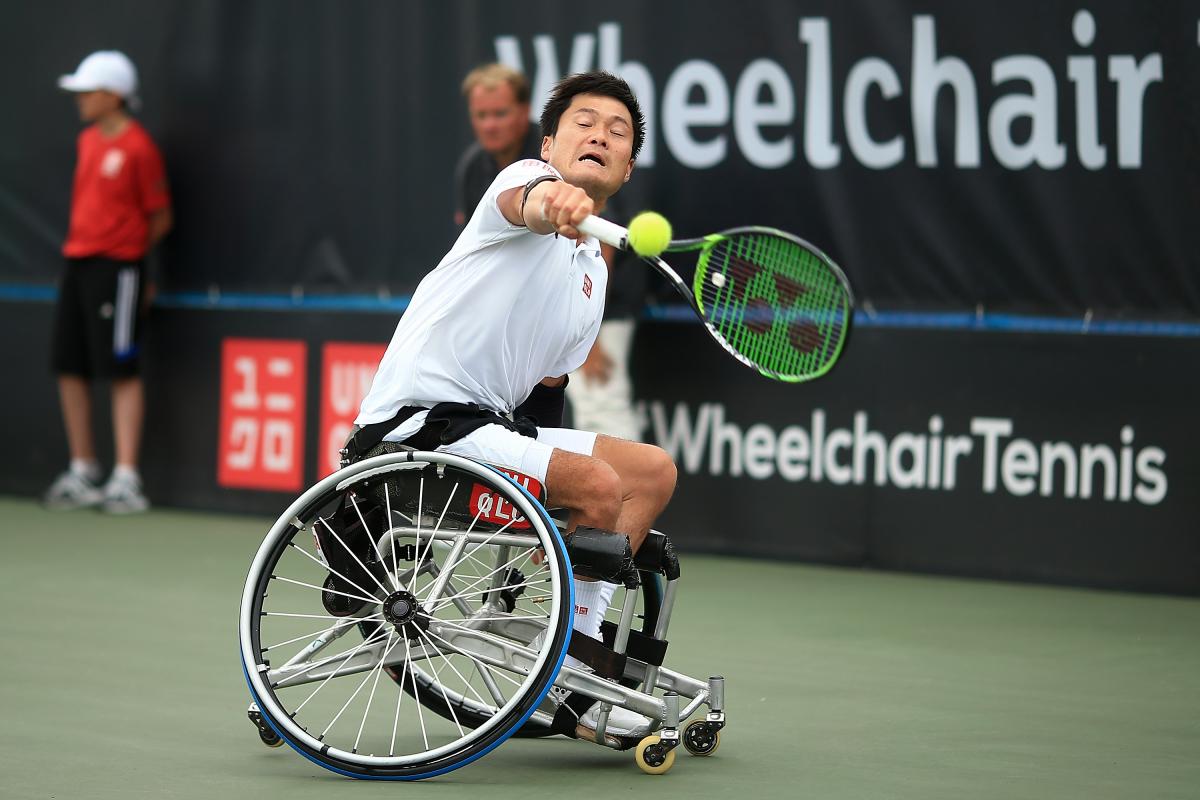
649	233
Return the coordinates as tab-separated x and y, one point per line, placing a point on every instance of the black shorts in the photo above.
98	322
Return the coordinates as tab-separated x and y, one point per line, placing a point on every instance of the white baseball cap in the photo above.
110	70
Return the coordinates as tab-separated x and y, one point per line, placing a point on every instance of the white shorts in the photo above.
496	444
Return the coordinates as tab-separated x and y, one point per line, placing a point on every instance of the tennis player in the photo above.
514	306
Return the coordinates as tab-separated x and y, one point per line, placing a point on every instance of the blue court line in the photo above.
914	320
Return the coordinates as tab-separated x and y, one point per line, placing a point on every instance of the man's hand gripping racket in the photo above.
772	300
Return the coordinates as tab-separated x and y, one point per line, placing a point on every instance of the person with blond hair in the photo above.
498	107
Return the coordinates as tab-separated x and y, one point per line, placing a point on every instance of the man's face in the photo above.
499	121
93	105
593	147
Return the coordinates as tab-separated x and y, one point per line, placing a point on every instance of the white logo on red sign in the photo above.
262	414
493	508
347	370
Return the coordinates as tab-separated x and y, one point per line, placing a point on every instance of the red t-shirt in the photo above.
119	182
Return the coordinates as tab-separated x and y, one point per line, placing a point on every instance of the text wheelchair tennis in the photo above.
410	612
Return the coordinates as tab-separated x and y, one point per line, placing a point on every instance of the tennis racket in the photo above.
772	300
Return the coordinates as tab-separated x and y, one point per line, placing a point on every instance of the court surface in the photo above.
120	679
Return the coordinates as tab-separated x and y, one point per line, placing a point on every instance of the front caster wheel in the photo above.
653	757
265	733
701	738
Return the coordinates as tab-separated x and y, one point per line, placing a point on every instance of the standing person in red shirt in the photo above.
120	209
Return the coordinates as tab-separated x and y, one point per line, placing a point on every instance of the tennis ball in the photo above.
649	233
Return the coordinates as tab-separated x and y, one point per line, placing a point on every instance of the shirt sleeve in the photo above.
152	180
491	221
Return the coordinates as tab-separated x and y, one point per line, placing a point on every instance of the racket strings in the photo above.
773	301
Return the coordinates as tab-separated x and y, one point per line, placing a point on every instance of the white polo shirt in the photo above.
504	309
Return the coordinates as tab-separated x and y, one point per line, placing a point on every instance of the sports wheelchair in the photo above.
413	610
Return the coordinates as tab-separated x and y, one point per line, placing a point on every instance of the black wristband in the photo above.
529	188
545	405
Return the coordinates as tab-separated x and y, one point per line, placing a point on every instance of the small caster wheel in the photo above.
701	738
265	732
271	739
653	757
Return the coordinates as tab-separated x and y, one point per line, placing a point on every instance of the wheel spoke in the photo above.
416	695
371	538
479	663
481	579
325	566
482	591
371	699
466	683
315	634
323	589
318	616
354	694
372	639
358	561
441	687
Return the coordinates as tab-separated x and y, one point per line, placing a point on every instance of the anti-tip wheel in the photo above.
701	738
270	739
652	757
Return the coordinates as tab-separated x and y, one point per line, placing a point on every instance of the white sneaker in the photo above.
621	722
70	491
123	495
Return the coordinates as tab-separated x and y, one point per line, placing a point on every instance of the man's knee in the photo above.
585	485
603	494
662	471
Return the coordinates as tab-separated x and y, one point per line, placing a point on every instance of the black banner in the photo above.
1025	155
1004	455
1051	457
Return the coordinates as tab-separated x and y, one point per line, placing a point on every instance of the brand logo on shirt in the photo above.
587	285
114	159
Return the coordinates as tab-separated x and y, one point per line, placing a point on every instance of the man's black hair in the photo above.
601	83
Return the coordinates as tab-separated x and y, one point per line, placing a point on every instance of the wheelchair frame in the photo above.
462	625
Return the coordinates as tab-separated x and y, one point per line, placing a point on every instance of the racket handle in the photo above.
607	232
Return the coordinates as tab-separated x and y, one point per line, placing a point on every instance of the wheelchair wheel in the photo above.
413	551
449	704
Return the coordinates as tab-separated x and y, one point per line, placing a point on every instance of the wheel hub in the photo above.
403	611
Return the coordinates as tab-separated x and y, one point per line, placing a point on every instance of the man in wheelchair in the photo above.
478	361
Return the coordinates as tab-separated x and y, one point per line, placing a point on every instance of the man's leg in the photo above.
128	410
74	395
587	486
76	487
123	493
647	477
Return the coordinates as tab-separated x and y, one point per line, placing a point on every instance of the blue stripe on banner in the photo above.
914	320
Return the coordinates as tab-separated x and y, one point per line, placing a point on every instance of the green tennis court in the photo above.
120	679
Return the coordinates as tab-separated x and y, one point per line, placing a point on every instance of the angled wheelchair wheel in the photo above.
413	554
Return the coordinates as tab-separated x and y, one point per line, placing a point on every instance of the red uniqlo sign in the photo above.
262	414
346	374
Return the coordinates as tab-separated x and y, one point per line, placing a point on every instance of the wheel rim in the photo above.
429	612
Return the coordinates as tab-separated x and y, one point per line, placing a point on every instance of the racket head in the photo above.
776	302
